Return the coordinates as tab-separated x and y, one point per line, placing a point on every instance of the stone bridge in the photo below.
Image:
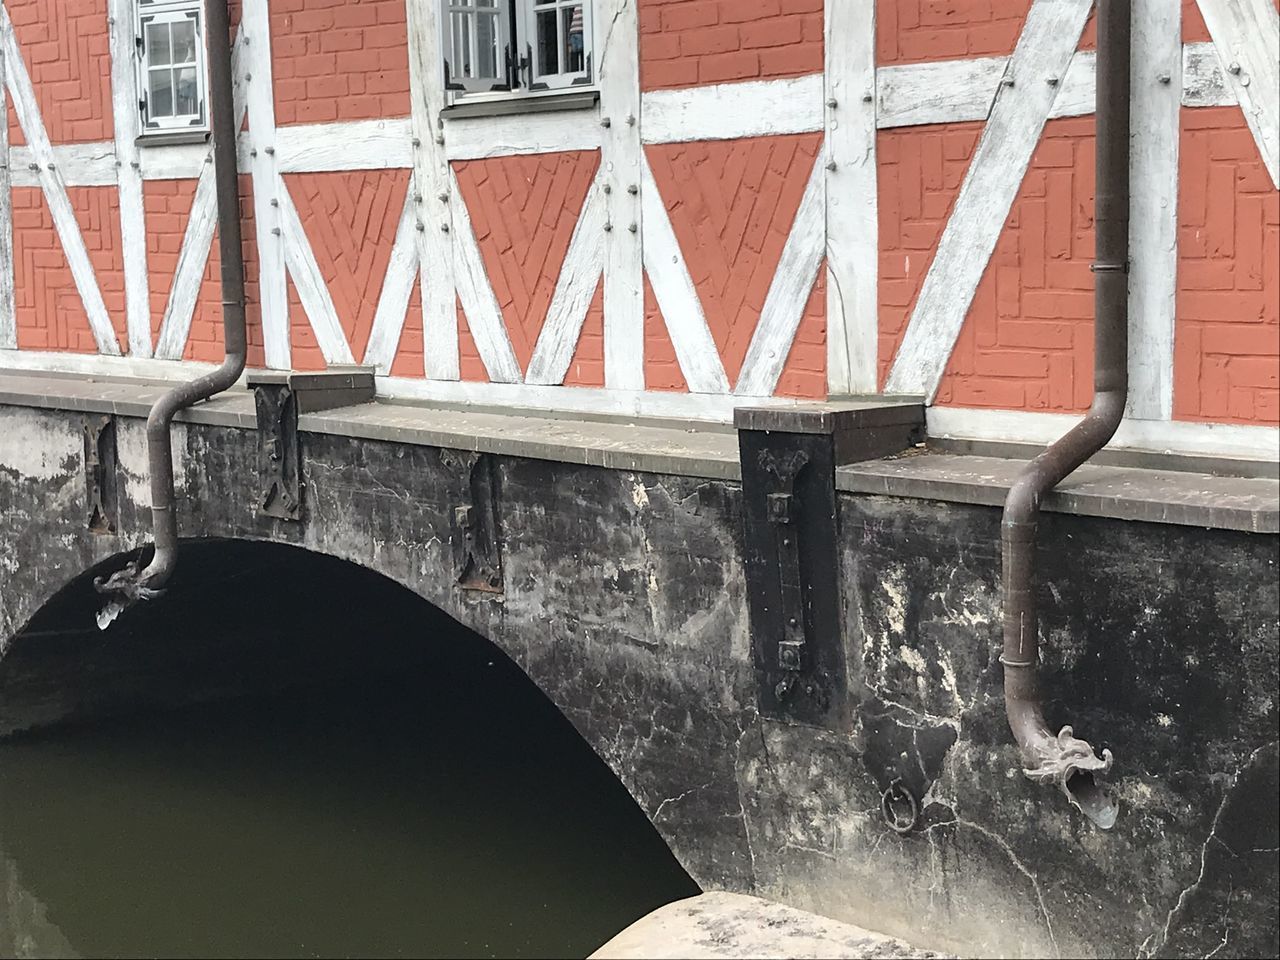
636	572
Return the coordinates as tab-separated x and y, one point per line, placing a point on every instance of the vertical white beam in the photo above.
1153	217
853	238
1246	34
45	167
617	36
133	226
1030	84
432	191
8	321
273	294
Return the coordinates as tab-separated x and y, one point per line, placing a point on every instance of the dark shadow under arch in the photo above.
304	656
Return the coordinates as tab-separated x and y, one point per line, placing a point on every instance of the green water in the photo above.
377	817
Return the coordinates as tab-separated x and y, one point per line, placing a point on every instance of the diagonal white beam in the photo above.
575	288
313	292
788	293
55	191
1246	34
677	296
397	288
1030	85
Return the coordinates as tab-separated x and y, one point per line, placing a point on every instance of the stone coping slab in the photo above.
731	925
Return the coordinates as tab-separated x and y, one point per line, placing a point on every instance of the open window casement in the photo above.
172	83
503	49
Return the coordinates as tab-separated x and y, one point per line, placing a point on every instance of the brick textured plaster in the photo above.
732	205
66	50
684	43
50	314
339	61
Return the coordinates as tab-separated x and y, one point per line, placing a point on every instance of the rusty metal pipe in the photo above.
128	585
1062	759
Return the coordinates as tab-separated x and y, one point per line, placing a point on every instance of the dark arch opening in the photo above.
290	754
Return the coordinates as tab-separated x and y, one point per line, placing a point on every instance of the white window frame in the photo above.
517	52
192	125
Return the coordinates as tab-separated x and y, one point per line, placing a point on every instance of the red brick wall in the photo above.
1227	337
65	47
339	61
684	43
524	210
48	310
914	31
732	205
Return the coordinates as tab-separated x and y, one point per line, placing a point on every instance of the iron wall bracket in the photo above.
100	472
475	535
279	399
791	548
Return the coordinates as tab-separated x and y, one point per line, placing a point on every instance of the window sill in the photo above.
169	138
522	105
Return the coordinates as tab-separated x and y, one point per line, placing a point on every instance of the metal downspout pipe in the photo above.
1062	759
129	584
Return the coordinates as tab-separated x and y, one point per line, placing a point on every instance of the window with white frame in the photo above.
172	81
516	47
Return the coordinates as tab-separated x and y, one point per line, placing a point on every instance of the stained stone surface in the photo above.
730	925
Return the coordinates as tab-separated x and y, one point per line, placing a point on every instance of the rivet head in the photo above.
833	103
53	166
633	189
275	231
440	139
608	228
608	188
442	197
444	228
421	226
248	77
275	202
1051	81
631	120
417	198
606	122
867	97
1244	81
417	142
1234	68
253	153
270	151
633	228
1165	78
1006	81
831	165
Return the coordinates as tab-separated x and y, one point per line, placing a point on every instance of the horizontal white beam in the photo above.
948	91
1240	442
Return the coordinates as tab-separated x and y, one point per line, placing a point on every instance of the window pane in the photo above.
548	44
160	94
158	43
188	97
574	59
184	42
486	64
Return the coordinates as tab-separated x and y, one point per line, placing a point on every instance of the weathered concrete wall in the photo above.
624	601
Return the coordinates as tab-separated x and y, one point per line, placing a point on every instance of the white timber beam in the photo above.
1156	105
852	191
27	109
1027	92
273	292
8	319
397	288
133	217
1246	34
313	292
618	39
788	293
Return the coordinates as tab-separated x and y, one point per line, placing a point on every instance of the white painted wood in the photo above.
475	293
677	296
397	288
313	292
579	277
64	218
729	111
184	161
1077	93
617	44
1156	83
433	190
193	256
8	318
852	217
788	294
945	91
81	164
1204	82
273	294
506	136
1159	436
97	365
714	408
1246	34
133	218
1044	50
351	145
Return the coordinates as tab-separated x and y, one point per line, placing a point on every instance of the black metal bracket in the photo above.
279	399
100	472
789	457
475	537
